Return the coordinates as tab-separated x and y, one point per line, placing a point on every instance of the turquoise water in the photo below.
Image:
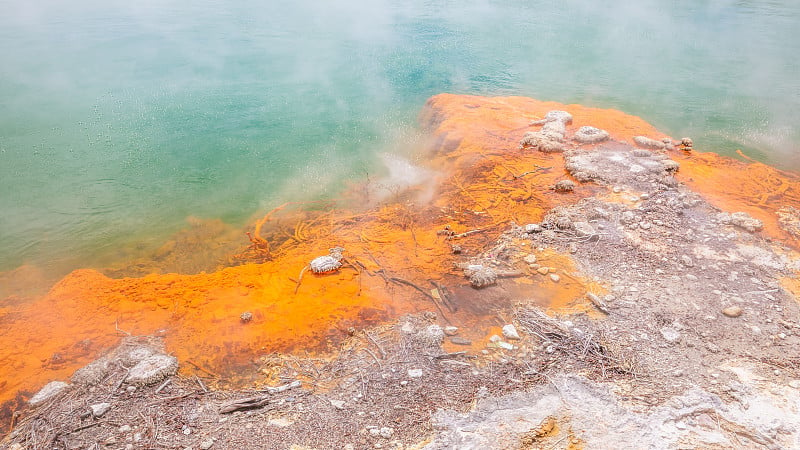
118	120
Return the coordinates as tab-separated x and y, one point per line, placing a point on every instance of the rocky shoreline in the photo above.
681	330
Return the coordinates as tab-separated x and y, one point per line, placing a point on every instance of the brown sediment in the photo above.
394	253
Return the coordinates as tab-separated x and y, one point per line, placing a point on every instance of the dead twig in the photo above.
423	292
199	367
446	296
467	233
599	304
163	385
374	357
256	402
375	343
200	382
300	279
116	327
449	355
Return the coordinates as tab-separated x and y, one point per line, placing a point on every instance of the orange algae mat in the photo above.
478	185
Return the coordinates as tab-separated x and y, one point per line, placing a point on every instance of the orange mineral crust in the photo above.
764	192
402	254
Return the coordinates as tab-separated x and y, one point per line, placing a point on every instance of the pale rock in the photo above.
744	221
510	332
505	345
670	334
415	373
338	404
49	391
732	311
99	409
533	228
583	229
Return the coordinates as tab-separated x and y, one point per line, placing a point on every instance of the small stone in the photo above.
533	228
616	189
583	229
49	391
495	338
510	332
744	221
645	225
434	334
375	431
794	384
152	369
564	186
130	389
646	142
687	261
338	404
670	334
99	409
555	278
505	345
451	331
386	432
530	259
125	429
280	422
187	431
543	270
460	341
732	311
246	316
782	335
415	373
590	135
206	444
628	217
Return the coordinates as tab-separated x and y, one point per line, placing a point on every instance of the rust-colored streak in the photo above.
393	251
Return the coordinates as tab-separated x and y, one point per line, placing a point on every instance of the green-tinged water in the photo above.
118	120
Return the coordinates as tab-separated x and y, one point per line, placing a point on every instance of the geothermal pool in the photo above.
123	123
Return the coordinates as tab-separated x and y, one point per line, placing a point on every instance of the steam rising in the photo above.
119	119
